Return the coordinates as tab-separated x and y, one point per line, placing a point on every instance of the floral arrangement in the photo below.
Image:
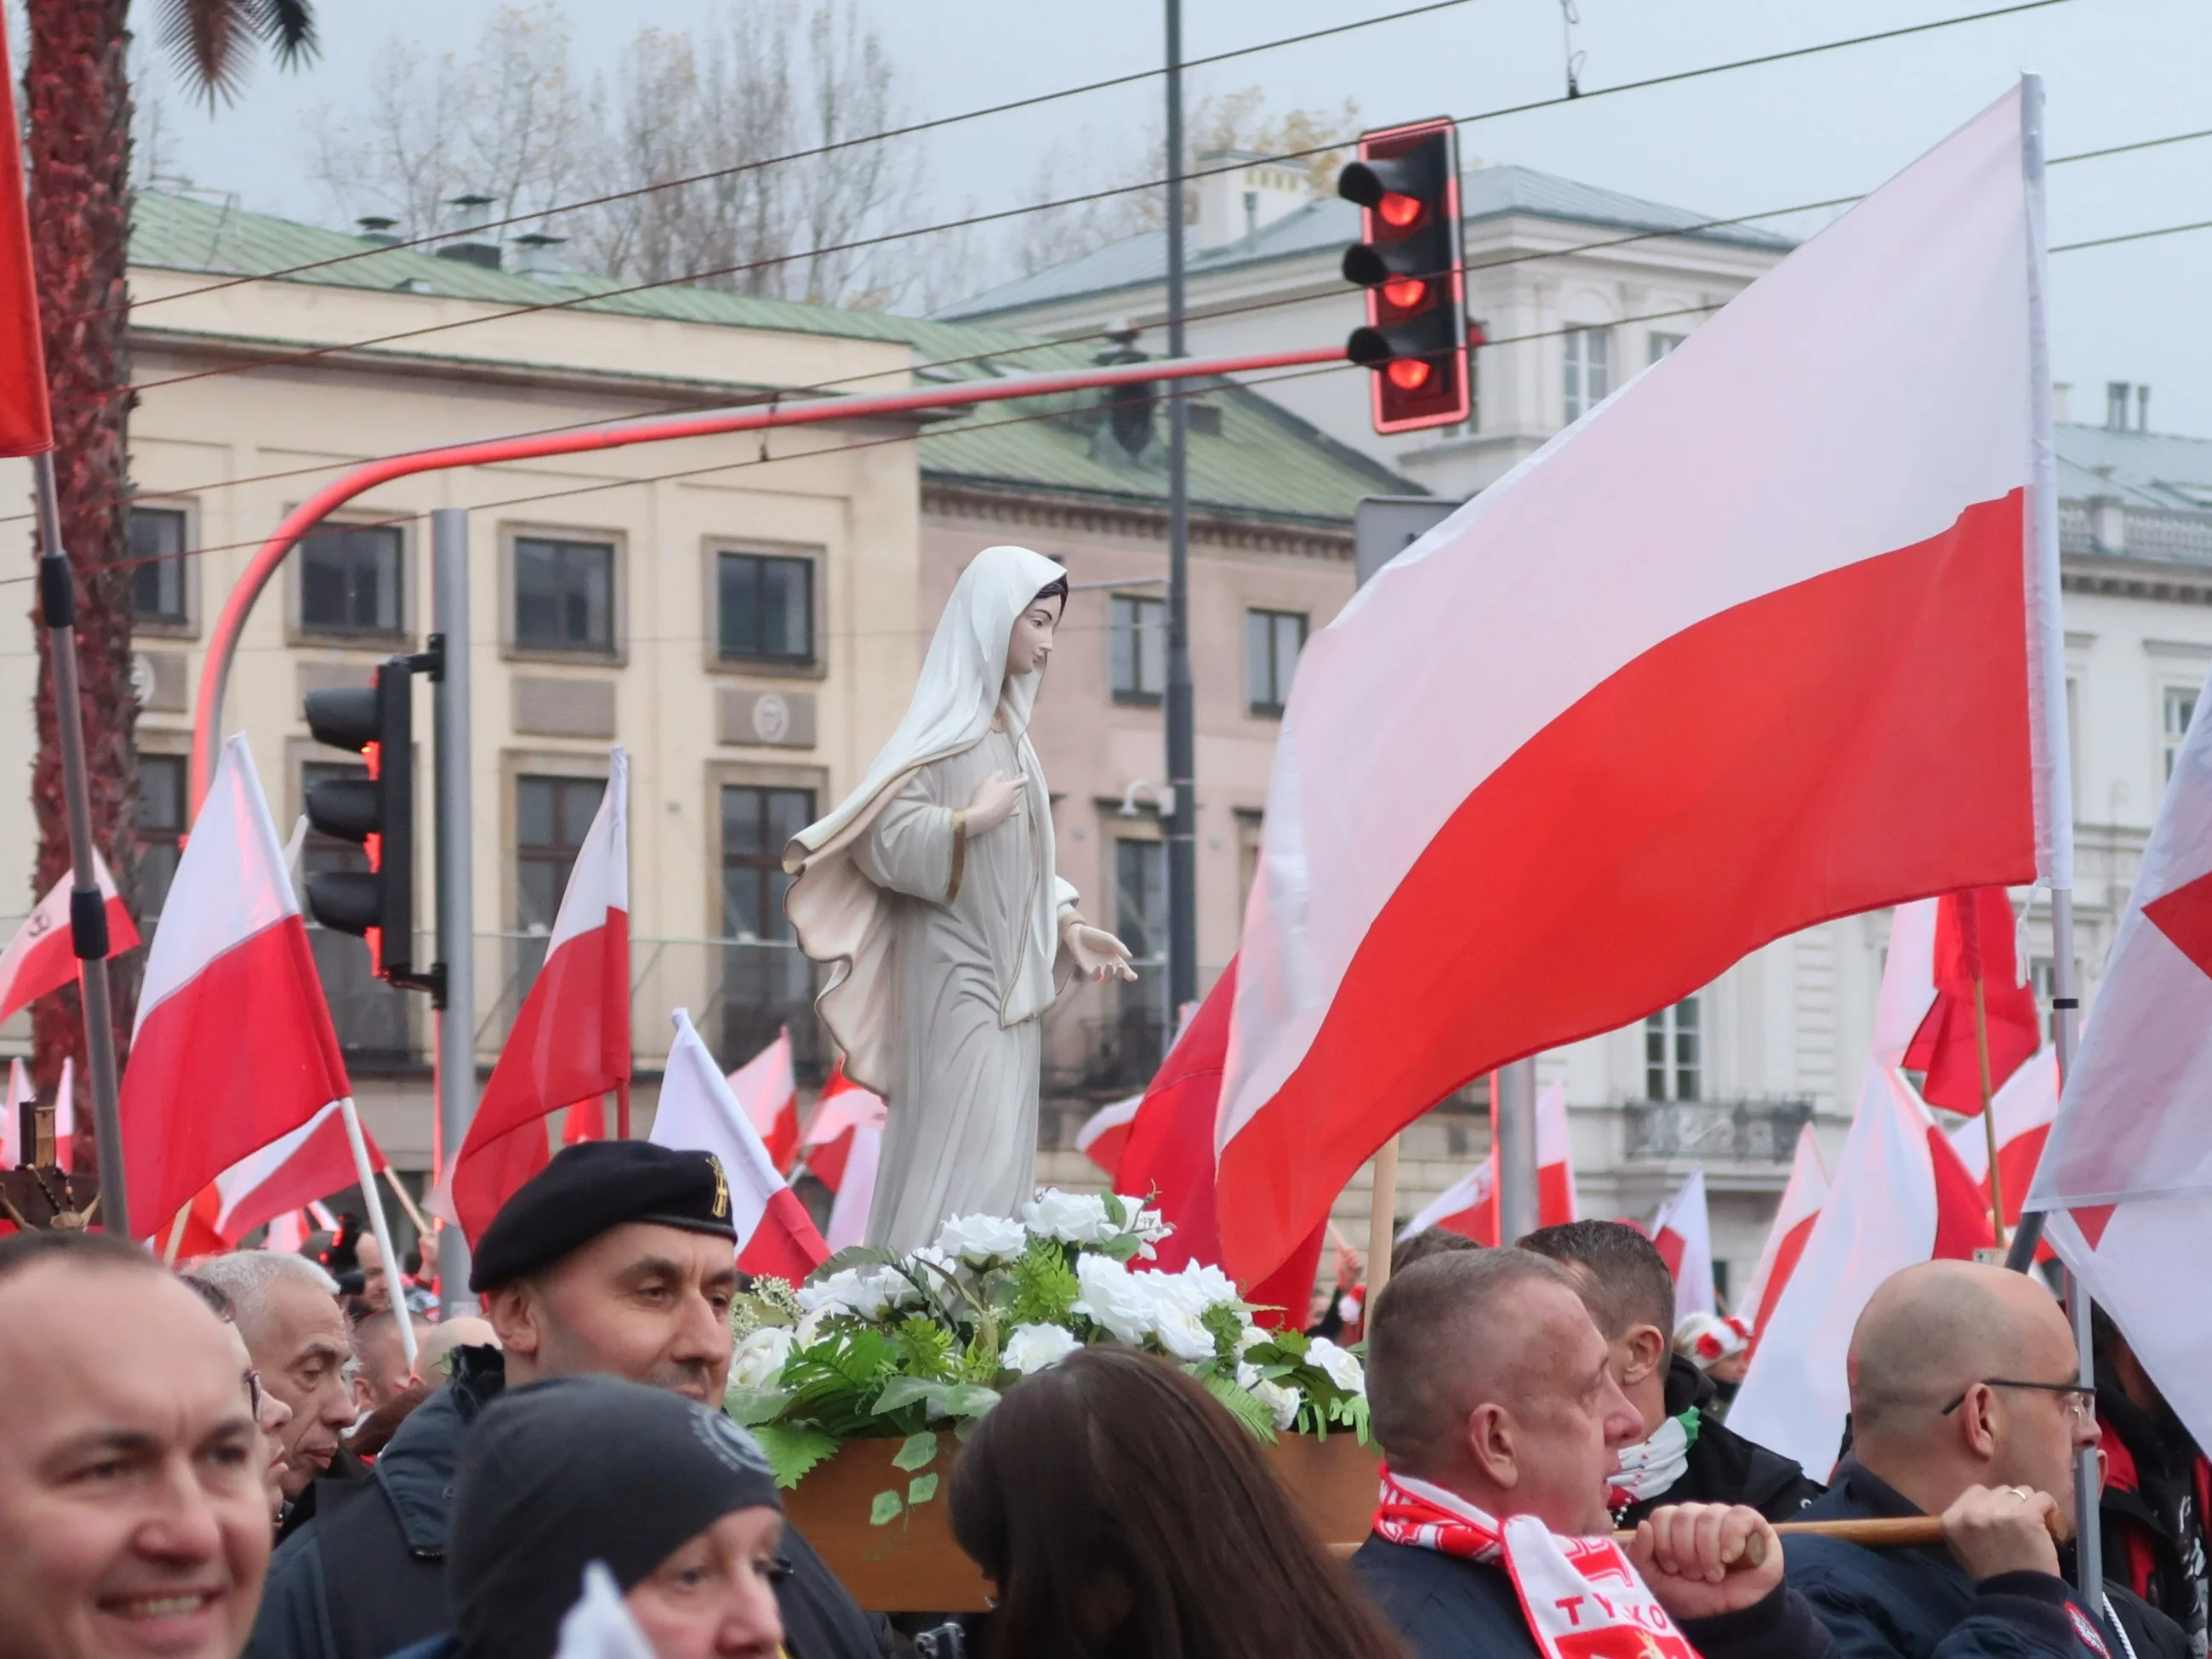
876	1345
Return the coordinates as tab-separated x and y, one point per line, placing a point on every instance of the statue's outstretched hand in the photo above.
1098	953
993	803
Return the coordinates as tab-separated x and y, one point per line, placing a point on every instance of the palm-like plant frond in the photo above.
210	41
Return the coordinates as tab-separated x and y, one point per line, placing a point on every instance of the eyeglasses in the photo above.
2081	1400
253	1393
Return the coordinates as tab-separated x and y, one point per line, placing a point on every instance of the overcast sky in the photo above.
2117	70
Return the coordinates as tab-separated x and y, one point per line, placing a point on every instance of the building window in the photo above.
767	984
161	825
1673	1063
1272	639
1137	647
2180	708
1664	345
1588	369
767	605
157	565
349	577
564	595
1140	897
371	1019
551	817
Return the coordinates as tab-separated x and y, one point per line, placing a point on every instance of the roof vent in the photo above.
468	219
375	228
538	254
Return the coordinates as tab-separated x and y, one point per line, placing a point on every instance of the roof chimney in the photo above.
468	219
2116	405
2143	409
1240	193
375	228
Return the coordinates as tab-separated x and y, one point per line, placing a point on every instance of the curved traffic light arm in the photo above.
222	640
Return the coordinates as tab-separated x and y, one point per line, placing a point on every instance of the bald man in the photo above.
134	1523
1493	1396
1965	1404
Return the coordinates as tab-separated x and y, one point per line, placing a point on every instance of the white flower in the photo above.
1340	1367
982	1241
811	1323
1251	1337
1114	1298
931	1266
1208	1283
1071	1218
865	1294
759	1359
1178	1327
1279	1398
1149	1227
1030	1348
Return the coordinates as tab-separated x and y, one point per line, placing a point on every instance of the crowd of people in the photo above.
240	1460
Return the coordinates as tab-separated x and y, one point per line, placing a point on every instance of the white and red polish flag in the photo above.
856	1188
767	1086
1804	538
2024	1109
1469	1205
700	1113
845	1116
65	1116
311	1162
2126	1176
571	1040
1908	982
1683	1234
1974	941
1802	1199
1899	1196
1105	1133
41	958
19	1094
233	1048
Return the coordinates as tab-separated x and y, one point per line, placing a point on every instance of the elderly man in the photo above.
617	1258
1965	1404
1683	1454
133	1523
1493	1396
286	1308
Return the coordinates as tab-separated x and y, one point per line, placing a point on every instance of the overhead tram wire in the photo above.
911	130
974	221
1003	353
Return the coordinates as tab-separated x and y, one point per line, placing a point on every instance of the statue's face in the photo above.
1030	648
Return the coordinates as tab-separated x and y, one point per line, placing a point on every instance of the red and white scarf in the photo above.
1582	1597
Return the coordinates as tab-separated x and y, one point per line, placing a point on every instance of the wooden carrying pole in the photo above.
1383	1219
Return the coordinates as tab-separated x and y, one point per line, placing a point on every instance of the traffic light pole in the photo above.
1181	735
457	1017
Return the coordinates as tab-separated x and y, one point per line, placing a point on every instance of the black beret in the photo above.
592	1187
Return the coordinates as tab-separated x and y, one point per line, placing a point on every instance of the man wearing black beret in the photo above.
619	1258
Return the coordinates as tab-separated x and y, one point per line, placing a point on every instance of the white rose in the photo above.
1113	1297
1071	1218
1340	1367
864	1295
1030	1348
1178	1327
932	1266
1209	1283
759	1359
982	1241
1279	1398
810	1326
1149	1227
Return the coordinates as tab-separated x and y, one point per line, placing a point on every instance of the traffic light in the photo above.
1406	184
377	810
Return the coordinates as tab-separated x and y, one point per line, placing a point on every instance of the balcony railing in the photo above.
1715	1131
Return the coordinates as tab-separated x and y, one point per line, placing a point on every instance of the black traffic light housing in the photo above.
378	812
1406	185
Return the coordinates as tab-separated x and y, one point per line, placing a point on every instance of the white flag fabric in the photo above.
1684	1234
2127	1173
1800	1208
20	1093
1908	980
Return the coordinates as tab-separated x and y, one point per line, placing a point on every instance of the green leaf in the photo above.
853	1255
1225	1324
916	1453
969	1399
1122	1247
1242	1406
929	1349
792	1451
754	1407
921	1489
1045	1287
903	1391
885	1509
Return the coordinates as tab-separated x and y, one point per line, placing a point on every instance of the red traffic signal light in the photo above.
376	809
1405	183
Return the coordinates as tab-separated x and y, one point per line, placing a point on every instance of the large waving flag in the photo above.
2126	1176
571	1038
26	429
1899	1197
288	1173
1804	538
767	1086
847	1119
40	957
233	1048
700	1113
1974	942
1104	1135
1802	1199
1469	1205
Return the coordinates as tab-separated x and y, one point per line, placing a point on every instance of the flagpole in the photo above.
1989	1106
87	910
365	1172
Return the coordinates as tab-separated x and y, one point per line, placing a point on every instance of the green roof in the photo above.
1263	462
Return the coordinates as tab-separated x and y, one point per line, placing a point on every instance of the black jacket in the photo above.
1449	1607
1920	1604
2153	1508
344	1469
1724	1468
368	1576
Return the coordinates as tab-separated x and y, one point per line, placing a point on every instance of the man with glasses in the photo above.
1966	1404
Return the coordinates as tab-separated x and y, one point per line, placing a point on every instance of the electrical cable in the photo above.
974	221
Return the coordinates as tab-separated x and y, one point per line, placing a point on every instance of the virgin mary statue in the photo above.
931	890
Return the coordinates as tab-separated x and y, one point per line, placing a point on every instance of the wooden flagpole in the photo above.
1989	1110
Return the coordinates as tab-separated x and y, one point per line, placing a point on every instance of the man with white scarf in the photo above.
933	889
1495	1402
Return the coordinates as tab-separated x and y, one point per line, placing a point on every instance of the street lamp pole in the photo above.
1181	737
